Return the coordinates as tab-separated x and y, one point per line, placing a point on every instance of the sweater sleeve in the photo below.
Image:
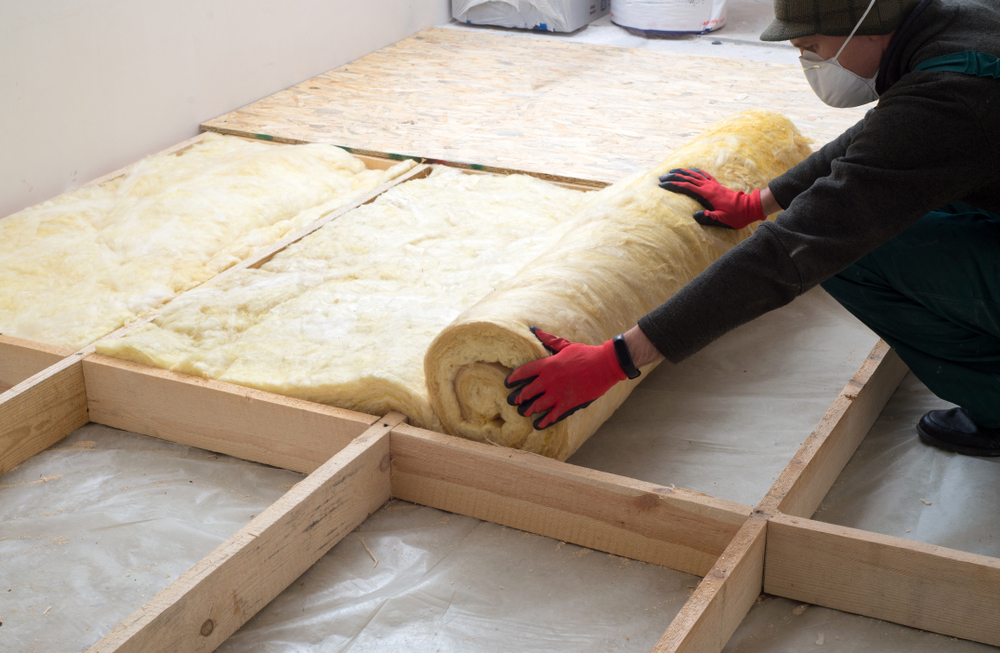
921	148
800	177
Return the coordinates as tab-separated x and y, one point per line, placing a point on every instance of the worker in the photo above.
896	219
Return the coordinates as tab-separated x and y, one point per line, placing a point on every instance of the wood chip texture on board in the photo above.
516	102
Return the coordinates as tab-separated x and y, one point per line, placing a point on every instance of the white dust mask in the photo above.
834	84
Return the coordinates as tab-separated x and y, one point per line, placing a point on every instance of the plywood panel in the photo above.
504	102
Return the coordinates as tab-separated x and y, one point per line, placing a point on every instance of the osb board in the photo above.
507	102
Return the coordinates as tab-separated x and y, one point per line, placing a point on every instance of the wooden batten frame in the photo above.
822	457
675	528
40	411
217	416
723	599
891	578
21	359
208	603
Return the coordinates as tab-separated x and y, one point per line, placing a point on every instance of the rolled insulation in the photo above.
632	247
79	266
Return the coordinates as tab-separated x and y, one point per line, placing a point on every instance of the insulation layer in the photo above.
631	248
77	267
345	316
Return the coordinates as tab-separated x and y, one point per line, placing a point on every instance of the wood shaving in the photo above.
369	553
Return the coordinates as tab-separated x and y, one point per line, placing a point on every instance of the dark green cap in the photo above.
796	18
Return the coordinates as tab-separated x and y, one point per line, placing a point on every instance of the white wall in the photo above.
88	86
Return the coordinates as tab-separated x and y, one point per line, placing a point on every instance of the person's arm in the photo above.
641	348
768	203
916	152
799	178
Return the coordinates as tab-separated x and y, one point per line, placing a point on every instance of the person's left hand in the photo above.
559	385
724	207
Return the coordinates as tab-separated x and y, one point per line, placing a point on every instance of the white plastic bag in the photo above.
669	16
549	15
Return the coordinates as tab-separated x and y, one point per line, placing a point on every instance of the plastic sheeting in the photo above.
548	15
896	485
95	526
727	420
445	582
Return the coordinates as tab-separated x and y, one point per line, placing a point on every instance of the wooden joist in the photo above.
20	359
214	598
822	457
724	598
910	583
221	417
675	528
40	411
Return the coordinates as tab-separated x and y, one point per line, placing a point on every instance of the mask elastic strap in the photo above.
851	35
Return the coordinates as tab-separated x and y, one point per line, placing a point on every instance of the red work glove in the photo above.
558	386
726	208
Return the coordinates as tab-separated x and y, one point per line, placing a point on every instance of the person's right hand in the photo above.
726	208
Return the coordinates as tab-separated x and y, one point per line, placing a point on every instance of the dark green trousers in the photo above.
933	293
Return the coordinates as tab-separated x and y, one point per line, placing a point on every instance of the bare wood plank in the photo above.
230	419
20	359
214	598
812	472
723	598
559	110
910	583
40	411
680	529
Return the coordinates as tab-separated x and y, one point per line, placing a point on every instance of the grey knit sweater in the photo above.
933	138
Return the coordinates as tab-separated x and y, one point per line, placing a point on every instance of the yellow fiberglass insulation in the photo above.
345	316
420	302
77	267
632	246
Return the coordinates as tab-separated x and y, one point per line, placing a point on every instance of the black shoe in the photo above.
954	430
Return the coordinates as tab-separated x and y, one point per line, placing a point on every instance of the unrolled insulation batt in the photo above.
77	267
631	248
345	315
